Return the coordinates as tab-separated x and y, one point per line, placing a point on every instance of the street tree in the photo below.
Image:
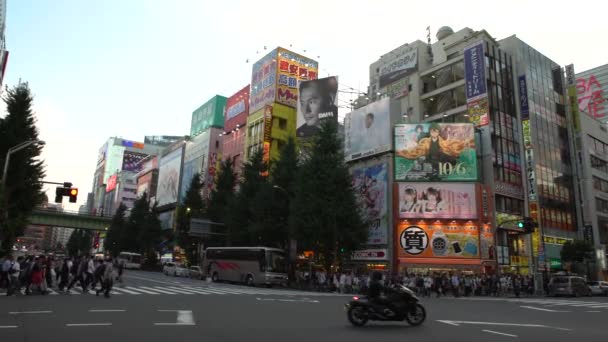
223	192
150	236
324	212
23	190
577	251
79	242
135	225
193	206
113	240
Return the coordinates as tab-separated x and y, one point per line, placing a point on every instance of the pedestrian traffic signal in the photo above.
60	192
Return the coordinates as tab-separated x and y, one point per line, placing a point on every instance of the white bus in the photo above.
130	260
249	265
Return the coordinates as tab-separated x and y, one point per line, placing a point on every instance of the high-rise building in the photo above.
235	121
592	92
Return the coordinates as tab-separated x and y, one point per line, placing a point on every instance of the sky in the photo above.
140	67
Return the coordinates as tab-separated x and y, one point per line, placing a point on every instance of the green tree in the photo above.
73	243
577	251
79	242
193	206
324	211
113	240
223	192
135	225
23	189
150	236
242	224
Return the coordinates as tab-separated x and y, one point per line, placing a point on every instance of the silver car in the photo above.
598	288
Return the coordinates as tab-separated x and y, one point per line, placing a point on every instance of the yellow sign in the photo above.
574	108
556	240
527	135
293	68
478	111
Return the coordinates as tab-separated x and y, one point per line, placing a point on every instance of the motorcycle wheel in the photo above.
417	316
357	316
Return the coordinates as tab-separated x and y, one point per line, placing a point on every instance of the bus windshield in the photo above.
276	262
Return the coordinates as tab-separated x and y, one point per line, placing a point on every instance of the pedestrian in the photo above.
107	278
13	276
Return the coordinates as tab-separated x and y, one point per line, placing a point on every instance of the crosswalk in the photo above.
547	302
193	290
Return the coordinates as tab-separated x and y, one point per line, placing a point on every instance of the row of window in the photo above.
601	205
509	205
599	164
600	184
597	145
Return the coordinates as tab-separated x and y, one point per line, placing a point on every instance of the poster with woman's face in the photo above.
437	200
371	188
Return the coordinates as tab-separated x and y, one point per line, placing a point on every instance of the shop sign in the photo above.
555	263
370	254
555	240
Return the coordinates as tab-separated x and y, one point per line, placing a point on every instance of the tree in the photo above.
223	192
135	225
192	207
241	223
150	236
113	241
576	251
324	212
79	242
23	190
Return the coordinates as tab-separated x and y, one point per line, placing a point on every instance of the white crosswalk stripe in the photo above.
547	302
157	290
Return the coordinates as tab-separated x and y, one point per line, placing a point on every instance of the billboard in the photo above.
113	161
435	152
168	177
399	88
188	171
437	200
291	69
318	102
263	81
591	97
111	184
524	105
143	184
371	189
476	84
401	64
210	114
131	161
367	130
438	241
237	108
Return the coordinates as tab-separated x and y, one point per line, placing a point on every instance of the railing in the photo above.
94	213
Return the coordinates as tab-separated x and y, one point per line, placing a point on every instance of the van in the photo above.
568	286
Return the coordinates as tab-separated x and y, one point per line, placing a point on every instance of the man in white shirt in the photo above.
13	276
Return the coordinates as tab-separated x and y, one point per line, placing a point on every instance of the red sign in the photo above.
237	109
111	183
370	254
590	97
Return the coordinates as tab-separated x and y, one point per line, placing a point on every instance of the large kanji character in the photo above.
284	65
293	69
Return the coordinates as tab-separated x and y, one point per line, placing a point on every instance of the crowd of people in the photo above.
426	285
37	274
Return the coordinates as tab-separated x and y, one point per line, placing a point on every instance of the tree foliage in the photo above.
23	189
223	192
113	240
576	251
135	225
79	242
192	207
324	213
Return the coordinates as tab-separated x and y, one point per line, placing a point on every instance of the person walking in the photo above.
107	278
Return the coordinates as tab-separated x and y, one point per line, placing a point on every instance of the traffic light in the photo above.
60	192
527	225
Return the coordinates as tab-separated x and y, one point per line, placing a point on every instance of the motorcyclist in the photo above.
380	302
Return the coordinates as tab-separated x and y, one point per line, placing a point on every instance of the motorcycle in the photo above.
404	306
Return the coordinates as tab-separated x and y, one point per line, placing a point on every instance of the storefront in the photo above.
368	260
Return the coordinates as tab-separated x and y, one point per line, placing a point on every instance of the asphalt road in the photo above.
226	313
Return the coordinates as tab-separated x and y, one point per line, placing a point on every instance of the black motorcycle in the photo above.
404	306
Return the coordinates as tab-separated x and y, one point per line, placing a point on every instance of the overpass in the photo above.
69	219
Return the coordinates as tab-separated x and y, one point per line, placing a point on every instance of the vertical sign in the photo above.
263	82
476	84
523	98
572	97
267	137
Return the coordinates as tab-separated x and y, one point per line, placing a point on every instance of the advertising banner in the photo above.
475	84
293	68
523	98
131	161
438	241
168	177
401	64
590	95
101	155
531	174
527	134
318	102
437	200
486	241
371	188
398	89
367	130
370	254
237	109
143	185
263	81
111	184
113	161
188	171
435	152
479	112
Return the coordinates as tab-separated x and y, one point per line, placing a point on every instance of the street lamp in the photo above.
15	149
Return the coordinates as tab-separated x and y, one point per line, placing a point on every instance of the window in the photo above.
280	144
282	124
599	164
601	205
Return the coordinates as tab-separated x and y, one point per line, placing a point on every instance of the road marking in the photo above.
107	310
288	300
593	311
87	324
152	280
7	326
157	290
184	317
541	309
141	290
125	290
184	291
498	333
502	324
174	291
29	312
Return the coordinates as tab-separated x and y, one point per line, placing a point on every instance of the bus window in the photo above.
276	262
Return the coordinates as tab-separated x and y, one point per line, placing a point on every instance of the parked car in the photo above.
568	286
181	271
169	269
598	288
195	272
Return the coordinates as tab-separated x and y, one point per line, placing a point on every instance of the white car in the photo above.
181	271
169	269
598	288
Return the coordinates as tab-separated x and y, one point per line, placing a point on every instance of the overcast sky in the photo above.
140	67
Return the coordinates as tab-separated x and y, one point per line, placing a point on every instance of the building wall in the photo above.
592	92
210	114
283	128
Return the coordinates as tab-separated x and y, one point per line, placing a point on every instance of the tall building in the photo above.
235	121
273	100
121	187
114	156
592	92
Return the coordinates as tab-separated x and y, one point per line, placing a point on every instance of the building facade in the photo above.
592	92
210	114
234	134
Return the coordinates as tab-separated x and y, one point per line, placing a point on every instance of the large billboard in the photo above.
210	114
263	81
168	177
438	240
318	102
476	84
437	200
113	161
401	64
291	69
371	188
237	109
131	161
367	130
435	152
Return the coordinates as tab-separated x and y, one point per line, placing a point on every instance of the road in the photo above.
190	310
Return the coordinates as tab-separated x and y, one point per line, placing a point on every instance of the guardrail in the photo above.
73	212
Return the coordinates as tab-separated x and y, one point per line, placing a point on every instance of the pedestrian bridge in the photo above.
69	219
